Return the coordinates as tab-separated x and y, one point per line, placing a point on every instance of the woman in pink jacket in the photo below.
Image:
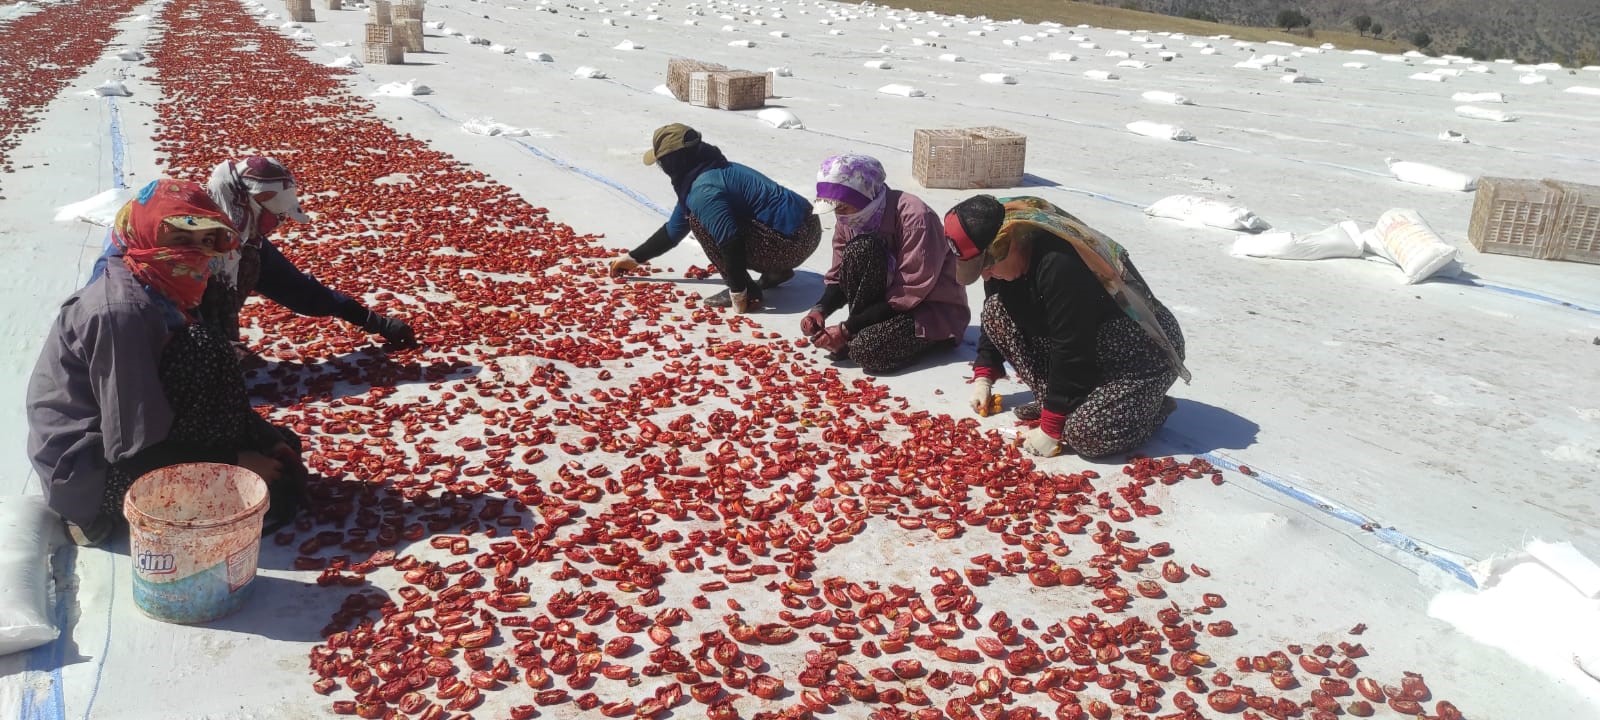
892	267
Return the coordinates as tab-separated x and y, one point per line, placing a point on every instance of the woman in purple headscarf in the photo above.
892	267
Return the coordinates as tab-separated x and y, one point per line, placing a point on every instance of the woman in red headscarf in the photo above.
127	382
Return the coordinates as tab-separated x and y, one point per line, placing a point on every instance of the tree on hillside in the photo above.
1362	23
1377	30
1291	19
1421	39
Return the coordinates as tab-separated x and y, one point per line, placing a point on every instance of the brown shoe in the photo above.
1028	411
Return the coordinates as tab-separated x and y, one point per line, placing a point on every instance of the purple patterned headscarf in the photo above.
858	181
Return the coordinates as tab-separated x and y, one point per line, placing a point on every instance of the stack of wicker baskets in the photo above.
301	11
716	86
381	47
1542	219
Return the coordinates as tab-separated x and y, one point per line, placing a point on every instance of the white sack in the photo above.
131	55
1431	176
1427	77
781	119
1100	75
1478	113
1533	79
1583	90
1404	238
1166	98
344	61
112	87
1570	563
538	56
901	90
1214	213
31	531
1298	78
1453	136
1159	131
487	126
589	73
403	89
1135	64
998	79
98	210
1472	97
1337	241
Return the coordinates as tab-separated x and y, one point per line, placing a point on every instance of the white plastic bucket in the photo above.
195	534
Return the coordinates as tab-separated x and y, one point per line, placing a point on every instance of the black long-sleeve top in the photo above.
1058	299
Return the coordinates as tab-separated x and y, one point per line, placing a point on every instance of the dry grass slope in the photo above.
1074	13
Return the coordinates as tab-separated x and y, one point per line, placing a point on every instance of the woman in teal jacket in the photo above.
743	219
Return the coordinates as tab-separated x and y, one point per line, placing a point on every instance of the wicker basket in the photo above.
383	54
740	90
380	12
303	14
1514	217
379	33
703	89
1575	235
335	5
679	70
966	158
405	11
408	34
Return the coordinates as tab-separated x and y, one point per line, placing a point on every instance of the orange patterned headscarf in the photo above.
178	272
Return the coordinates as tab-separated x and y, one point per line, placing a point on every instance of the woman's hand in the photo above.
982	394
623	264
811	324
270	469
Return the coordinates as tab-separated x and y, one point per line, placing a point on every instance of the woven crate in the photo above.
966	158
303	14
702	89
408	35
382	54
770	77
1513	217
679	70
1575	235
292	5
405	11
335	5
380	12
380	33
740	90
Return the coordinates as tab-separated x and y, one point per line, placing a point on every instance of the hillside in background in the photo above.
1566	31
1531	30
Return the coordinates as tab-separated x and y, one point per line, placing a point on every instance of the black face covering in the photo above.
683	166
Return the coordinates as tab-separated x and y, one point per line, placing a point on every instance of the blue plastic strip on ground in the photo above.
118	146
52	704
1388	535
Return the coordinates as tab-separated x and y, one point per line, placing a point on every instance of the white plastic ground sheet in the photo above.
1455	418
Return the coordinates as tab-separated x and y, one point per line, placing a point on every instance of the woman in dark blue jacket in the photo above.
743	219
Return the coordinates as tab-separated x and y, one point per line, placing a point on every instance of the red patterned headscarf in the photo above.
178	272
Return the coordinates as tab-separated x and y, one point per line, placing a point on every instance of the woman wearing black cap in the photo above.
743	219
1066	307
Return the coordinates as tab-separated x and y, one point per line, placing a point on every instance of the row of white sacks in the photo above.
1400	237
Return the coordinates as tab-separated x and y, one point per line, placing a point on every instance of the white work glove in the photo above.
1038	442
982	390
623	264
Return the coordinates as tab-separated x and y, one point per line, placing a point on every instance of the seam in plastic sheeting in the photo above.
1389	535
